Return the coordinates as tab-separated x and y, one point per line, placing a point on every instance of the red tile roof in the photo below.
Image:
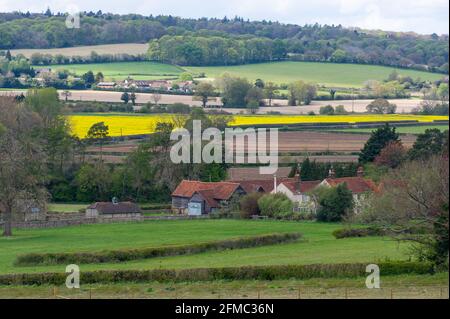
221	190
356	185
208	196
252	186
305	187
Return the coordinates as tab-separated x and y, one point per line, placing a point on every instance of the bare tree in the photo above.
22	161
415	197
156	97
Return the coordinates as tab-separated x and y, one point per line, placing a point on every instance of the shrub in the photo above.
276	206
249	205
326	110
278	272
112	256
358	232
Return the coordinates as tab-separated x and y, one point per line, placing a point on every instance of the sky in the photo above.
420	16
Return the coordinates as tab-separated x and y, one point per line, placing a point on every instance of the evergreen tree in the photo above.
377	141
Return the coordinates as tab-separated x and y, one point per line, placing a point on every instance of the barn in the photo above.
114	210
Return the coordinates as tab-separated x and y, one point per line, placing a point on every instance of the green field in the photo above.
329	74
121	70
396	287
318	246
400	129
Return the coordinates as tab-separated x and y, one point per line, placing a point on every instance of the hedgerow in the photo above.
113	256
278	272
358	232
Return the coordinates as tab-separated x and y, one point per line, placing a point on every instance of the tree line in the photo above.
325	43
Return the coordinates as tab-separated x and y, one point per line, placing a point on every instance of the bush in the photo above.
358	232
278	272
326	110
276	206
249	205
34	259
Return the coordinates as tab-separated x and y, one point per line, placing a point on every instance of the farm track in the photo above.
281	106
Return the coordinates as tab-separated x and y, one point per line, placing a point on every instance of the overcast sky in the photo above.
421	16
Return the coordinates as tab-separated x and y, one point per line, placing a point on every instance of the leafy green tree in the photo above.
93	183
326	110
125	97
335	203
381	106
88	78
235	91
259	83
99	77
133	98
270	89
203	91
98	132
377	141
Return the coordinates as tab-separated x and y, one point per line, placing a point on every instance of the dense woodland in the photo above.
227	41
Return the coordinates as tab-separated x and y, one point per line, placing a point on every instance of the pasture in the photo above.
328	74
128	48
318	246
121	70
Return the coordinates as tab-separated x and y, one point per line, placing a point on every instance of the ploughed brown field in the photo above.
298	142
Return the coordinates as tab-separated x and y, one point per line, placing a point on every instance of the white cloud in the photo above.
423	16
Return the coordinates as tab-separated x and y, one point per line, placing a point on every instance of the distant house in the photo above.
300	191
106	85
114	210
198	198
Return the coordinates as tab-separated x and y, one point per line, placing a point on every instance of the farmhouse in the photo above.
106	85
198	198
113	210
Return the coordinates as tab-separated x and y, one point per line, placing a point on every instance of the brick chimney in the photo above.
298	178
332	173
360	172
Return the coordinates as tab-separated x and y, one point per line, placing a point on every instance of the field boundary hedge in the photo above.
113	256
279	272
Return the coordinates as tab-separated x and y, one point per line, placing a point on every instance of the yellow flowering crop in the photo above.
124	125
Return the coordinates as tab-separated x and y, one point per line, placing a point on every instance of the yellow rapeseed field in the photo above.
123	125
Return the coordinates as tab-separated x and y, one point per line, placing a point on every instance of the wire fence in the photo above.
416	292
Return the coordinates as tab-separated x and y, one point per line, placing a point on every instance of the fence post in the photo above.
299	292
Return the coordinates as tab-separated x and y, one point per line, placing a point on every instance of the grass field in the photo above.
123	125
318	246
329	74
401	129
404	286
121	70
129	48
